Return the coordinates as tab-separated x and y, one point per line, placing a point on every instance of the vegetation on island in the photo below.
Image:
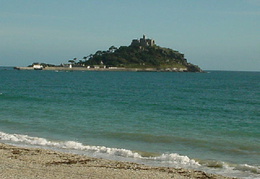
142	54
139	57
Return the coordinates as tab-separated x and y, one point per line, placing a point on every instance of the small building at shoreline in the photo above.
37	66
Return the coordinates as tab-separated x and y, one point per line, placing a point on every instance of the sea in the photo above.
202	121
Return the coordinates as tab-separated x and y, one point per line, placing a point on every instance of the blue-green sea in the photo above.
203	121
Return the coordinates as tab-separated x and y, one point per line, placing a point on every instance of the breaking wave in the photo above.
72	145
172	160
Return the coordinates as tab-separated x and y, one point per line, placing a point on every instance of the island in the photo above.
141	55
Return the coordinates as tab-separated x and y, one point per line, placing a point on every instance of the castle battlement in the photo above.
143	42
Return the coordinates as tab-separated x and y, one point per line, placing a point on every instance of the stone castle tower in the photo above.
143	42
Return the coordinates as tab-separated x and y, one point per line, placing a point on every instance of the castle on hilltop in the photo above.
143	42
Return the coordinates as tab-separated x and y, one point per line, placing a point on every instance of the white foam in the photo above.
176	160
67	145
164	158
246	167
173	159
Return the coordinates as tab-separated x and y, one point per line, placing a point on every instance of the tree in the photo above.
71	61
112	49
99	53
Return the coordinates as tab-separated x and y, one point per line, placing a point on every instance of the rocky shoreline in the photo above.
29	163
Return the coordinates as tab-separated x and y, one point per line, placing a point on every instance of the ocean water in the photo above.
203	121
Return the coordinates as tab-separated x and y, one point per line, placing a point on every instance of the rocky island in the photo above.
141	55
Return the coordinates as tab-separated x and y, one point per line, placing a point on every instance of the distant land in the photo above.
141	55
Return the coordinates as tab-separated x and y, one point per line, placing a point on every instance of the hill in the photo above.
141	54
144	57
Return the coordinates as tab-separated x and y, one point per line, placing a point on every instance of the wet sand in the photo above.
31	163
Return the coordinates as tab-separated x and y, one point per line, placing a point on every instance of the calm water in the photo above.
205	121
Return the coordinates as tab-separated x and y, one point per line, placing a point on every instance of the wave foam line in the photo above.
245	167
164	158
225	165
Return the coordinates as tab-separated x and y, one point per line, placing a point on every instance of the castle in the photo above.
143	42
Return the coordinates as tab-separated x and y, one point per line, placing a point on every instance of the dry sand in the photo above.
30	163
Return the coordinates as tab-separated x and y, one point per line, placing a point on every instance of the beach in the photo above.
17	162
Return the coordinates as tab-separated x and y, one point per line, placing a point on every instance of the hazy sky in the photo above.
214	34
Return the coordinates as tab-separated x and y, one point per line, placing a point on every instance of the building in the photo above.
143	42
37	66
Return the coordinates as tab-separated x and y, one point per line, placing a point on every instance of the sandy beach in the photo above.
17	162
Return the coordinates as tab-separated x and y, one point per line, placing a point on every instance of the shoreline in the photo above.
19	162
103	69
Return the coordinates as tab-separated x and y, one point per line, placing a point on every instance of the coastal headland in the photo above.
30	163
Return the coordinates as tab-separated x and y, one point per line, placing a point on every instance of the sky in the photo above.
213	34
